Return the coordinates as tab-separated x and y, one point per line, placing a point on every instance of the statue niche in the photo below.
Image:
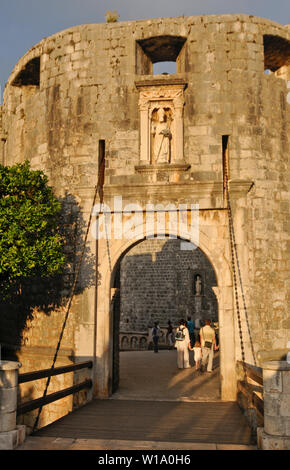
198	287
161	135
161	125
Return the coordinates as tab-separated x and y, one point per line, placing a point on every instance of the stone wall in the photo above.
2	137
158	284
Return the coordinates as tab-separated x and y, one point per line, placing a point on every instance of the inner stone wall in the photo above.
158	284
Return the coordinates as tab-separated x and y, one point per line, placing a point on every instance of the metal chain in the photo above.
108	244
232	242
76	276
235	259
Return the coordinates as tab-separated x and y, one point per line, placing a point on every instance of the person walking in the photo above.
155	336
208	345
190	326
182	342
197	354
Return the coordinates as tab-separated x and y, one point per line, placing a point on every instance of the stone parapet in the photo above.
10	434
276	432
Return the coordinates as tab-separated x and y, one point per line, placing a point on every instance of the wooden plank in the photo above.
40	374
253	398
38	402
251	372
219	422
254	375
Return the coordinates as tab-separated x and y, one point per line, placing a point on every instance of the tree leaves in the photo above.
30	240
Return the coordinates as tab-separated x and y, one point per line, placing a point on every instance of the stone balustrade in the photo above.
10	435
140	341
276	432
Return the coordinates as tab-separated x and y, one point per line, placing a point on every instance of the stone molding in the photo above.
192	189
162	166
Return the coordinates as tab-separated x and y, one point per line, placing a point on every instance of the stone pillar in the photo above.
178	133
276	432
10	434
144	134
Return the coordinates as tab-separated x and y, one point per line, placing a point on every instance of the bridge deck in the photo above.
219	422
156	406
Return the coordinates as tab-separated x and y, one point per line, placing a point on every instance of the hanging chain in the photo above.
107	243
235	260
232	243
98	190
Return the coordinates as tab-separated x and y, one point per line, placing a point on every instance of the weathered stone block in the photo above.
285	404
7	421
8	400
272	380
8	440
267	442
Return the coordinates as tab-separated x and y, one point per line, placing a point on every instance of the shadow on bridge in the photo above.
149	376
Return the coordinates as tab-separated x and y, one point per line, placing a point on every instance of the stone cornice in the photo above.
162	166
183	190
160	81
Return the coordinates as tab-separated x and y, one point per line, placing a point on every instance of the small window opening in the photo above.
277	56
101	166
29	75
225	157
160	55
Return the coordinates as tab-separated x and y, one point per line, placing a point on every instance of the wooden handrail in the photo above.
252	372
247	390
38	402
40	374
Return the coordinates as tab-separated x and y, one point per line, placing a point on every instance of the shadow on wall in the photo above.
48	295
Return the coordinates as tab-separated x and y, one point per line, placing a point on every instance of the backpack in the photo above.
180	336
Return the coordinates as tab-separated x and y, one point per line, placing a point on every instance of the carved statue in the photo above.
161	138
198	285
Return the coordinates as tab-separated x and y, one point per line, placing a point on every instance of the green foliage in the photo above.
30	242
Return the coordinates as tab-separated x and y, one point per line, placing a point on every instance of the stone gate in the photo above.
89	93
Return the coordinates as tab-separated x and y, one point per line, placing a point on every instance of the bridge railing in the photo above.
250	393
27	406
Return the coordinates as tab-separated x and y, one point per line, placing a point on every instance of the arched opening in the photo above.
111	253
29	75
276	56
159	280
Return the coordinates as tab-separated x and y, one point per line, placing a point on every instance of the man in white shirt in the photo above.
208	345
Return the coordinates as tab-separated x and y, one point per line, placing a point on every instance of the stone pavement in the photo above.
145	375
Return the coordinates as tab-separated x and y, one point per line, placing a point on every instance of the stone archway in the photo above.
224	295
